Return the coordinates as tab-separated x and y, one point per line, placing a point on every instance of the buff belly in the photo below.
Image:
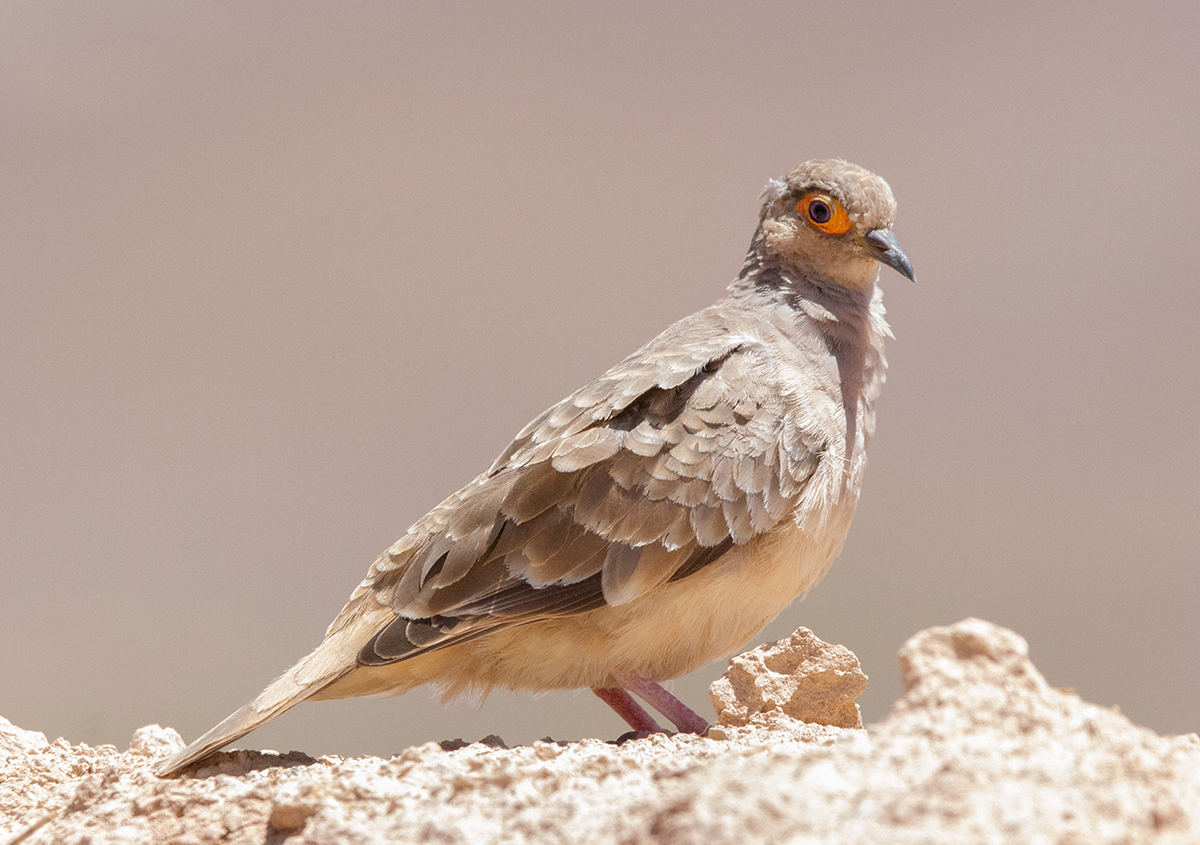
672	630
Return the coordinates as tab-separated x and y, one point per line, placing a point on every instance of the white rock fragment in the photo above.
801	677
154	741
292	804
15	741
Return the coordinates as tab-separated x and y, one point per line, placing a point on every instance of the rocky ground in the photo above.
980	749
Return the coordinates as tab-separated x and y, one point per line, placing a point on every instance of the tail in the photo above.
331	660
270	703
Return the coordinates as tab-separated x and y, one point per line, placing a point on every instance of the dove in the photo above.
660	516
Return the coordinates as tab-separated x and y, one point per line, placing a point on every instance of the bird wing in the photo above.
646	475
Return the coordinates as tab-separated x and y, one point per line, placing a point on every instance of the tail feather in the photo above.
232	728
332	660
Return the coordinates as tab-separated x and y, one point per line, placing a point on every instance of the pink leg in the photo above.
680	715
628	709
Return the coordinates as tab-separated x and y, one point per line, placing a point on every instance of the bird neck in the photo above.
834	328
841	314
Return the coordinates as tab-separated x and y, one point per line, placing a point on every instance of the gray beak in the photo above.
885	249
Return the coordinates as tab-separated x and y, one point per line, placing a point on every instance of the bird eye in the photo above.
825	213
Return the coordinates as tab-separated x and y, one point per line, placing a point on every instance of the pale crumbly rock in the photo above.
979	749
800	678
154	742
14	741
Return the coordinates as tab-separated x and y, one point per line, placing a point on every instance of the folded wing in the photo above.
646	475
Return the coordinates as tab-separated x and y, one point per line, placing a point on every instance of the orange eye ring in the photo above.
824	212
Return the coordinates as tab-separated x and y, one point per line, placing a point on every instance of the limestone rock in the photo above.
14	741
801	677
153	741
979	749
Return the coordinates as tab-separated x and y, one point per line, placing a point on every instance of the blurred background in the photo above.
275	278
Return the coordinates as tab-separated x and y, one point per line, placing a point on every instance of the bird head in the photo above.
831	221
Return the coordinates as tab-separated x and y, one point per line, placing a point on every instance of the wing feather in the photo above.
646	475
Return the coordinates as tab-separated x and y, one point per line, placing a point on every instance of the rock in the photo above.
979	749
801	677
154	742
14	741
